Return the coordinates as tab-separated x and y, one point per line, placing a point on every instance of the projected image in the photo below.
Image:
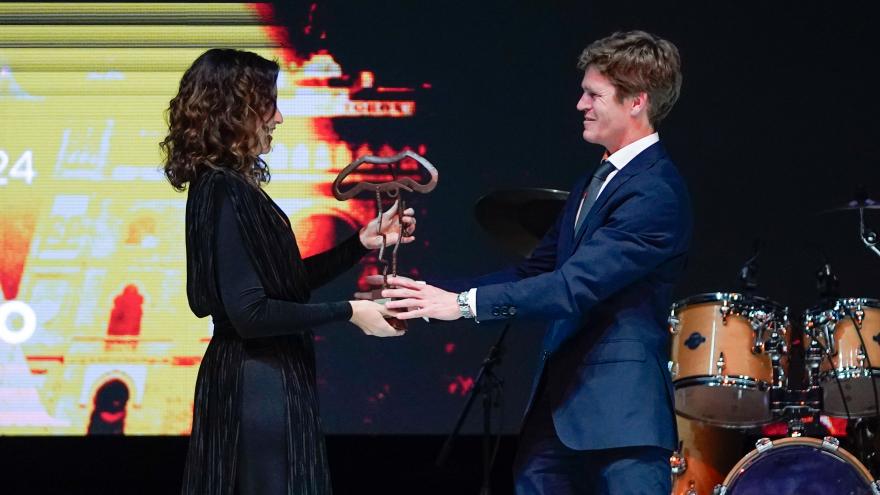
95	333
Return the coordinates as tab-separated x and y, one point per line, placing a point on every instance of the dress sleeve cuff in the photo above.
340	310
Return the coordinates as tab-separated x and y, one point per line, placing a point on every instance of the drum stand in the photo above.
792	406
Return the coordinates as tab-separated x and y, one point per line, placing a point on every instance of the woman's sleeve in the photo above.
324	267
251	311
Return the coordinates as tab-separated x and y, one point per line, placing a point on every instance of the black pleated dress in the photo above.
256	428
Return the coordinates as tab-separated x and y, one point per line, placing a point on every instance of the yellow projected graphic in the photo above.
95	332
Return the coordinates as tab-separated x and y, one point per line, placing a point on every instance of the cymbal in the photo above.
519	218
856	204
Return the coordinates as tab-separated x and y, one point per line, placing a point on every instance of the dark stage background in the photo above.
776	122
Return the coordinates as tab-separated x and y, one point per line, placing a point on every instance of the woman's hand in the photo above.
417	300
370	318
391	223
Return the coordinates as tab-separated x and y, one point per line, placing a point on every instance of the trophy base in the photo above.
398	325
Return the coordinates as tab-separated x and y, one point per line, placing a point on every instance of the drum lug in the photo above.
719	490
692	488
674	324
673	369
875	487
678	463
719	365
763	444
725	310
830	444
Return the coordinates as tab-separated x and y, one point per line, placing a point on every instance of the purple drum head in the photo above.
799	470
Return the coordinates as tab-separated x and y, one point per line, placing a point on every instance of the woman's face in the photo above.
265	129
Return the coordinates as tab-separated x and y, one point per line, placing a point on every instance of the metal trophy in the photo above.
391	189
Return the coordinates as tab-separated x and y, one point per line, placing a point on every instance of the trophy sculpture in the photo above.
393	190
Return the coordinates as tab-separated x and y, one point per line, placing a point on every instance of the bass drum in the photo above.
706	454
798	466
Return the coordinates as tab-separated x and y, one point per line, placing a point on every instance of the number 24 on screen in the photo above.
22	169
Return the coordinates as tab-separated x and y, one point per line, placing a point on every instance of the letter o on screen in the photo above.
27	329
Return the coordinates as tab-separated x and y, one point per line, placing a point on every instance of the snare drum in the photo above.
798	466
833	331
727	352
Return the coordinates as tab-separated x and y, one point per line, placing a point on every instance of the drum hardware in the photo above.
796	404
674	324
861	203
869	237
748	274
677	462
816	352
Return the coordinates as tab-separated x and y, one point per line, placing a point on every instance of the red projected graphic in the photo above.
16	230
461	385
96	336
125	319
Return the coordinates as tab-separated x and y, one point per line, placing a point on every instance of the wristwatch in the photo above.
463	306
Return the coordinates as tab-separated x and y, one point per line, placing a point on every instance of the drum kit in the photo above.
731	362
730	369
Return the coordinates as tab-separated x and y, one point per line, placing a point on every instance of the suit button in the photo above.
512	311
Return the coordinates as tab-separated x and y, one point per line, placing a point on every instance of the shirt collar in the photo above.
625	155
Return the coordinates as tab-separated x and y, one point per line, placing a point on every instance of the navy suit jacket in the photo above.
607	288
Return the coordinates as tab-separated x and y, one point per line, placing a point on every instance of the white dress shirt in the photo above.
619	159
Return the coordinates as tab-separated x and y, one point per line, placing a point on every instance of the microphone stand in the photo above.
490	387
748	274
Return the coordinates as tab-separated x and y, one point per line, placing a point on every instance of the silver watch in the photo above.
463	306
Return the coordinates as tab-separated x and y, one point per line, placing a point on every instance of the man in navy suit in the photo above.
601	417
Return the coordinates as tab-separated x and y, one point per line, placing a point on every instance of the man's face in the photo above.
606	120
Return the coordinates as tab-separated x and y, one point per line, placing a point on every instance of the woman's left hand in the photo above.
391	226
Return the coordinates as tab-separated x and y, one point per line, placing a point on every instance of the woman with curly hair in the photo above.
255	417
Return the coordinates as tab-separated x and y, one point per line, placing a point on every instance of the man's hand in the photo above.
376	281
370	234
418	300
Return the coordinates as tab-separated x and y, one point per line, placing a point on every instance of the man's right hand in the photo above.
376	281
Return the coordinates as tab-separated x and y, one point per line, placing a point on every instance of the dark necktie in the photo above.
592	191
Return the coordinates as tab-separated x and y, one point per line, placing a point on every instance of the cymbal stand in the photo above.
869	237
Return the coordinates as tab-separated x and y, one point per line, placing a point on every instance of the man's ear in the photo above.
639	104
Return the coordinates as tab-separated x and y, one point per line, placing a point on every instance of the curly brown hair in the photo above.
636	61
213	122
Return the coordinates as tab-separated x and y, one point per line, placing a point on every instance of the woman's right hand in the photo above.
370	318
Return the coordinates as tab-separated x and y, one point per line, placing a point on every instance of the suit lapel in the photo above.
567	231
639	163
